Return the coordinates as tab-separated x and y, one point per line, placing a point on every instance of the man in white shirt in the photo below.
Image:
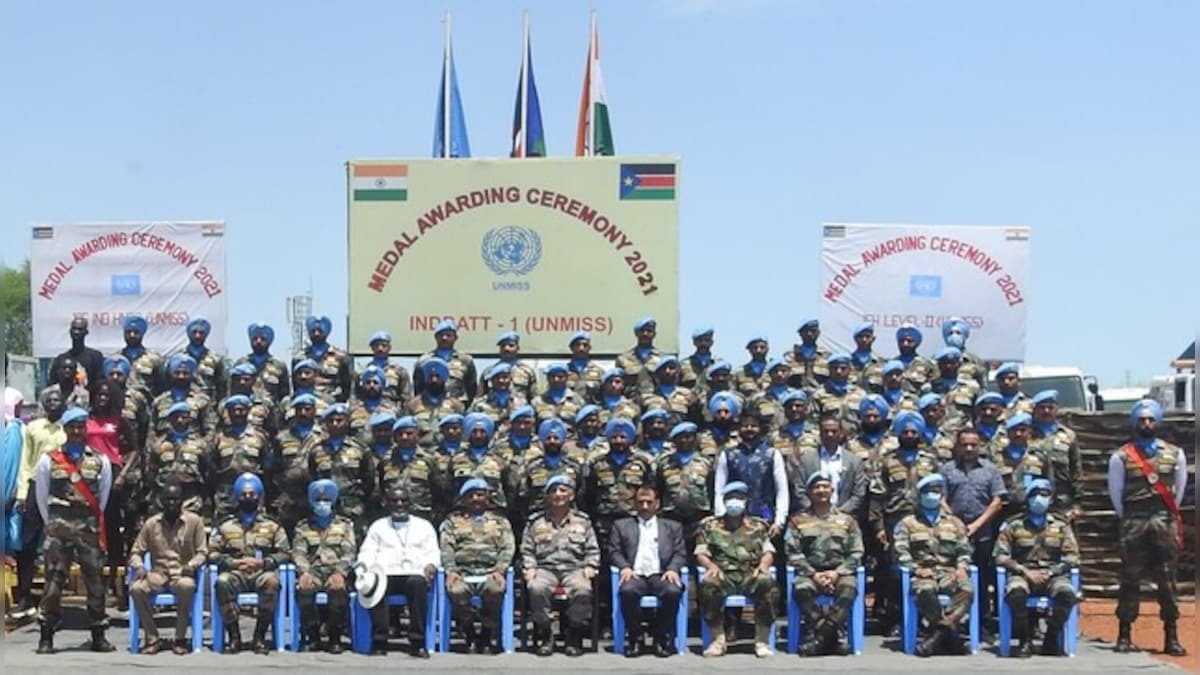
650	554
761	468
406	548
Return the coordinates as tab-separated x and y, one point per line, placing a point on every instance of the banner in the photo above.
925	274
166	272
545	247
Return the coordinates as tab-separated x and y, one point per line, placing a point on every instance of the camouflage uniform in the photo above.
420	476
559	553
826	401
737	554
943	548
360	415
335	374
958	395
516	453
818	544
491	467
580	450
1052	548
1016	474
713	442
898	400
808	372
497	409
203	416
686	490
428	412
680	402
460	385
918	372
691	372
211	375
474	546
145	372
352	468
622	407
263	416
583	378
232	455
611	487
974	368
749	384
1019	403
321	552
186	460
539	469
265	539
397	382
1066	467
639	370
524	379
289	411
791	442
868	373
273	382
290	477
894	493
545	406
942	442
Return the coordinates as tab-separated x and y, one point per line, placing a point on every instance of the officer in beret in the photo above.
459	382
289	469
806	359
638	361
1018	462
583	373
500	397
146	365
612	397
898	398
179	454
397	383
559	399
838	396
752	376
272	374
1008	383
693	368
685	479
335	370
182	389
370	399
958	391
239	447
210	366
433	401
304	383
867	365
1062	447
522	375
680	403
263	413
339	457
414	470
939	429
918	370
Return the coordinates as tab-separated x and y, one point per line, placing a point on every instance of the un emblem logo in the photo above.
511	250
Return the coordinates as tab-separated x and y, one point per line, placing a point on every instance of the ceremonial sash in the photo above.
1159	488
84	491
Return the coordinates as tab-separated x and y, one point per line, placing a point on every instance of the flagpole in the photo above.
446	92
591	69
525	87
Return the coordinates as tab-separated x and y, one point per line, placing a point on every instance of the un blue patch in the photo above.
925	286
126	284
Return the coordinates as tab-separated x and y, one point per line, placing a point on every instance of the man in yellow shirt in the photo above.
42	435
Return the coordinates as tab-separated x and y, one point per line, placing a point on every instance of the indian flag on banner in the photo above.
594	133
379	182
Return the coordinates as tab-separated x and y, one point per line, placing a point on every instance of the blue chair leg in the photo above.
1005	616
197	610
445	620
793	612
859	615
214	610
360	636
506	613
909	632
1071	634
135	623
618	617
681	616
974	628
431	611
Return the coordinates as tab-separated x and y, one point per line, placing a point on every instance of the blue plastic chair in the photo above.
1070	633
856	621
505	638
647	602
736	601
362	626
293	607
912	618
249	599
167	599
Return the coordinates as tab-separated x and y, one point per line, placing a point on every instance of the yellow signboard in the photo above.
545	247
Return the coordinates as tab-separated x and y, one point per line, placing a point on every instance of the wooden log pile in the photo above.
1097	529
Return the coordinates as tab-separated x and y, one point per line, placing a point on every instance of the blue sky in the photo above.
1078	119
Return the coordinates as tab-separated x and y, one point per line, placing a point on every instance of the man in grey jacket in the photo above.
849	474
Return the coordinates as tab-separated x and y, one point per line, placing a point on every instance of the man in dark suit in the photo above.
649	553
847	469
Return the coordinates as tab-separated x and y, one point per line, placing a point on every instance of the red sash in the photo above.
84	491
1159	488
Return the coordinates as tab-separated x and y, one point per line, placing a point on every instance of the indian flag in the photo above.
379	182
594	135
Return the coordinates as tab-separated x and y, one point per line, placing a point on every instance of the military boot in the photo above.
46	642
233	644
101	643
1124	644
544	639
260	636
574	640
1050	642
1171	639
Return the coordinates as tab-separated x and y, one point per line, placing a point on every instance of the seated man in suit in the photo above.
649	553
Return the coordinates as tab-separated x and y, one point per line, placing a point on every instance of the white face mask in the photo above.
735	507
323	509
1039	504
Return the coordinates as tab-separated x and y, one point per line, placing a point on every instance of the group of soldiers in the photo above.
837	460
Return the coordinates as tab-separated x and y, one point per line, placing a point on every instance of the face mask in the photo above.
1039	504
955	340
735	507
930	500
323	509
248	505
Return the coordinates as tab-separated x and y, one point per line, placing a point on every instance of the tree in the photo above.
16	324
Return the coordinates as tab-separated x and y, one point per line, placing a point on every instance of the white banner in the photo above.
925	274
167	272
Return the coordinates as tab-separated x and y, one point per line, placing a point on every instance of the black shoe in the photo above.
46	642
574	638
1171	643
634	647
312	642
840	643
810	647
1124	644
545	641
1023	651
954	644
663	648
1050	642
335	646
927	646
379	648
482	644
101	643
419	652
232	645
260	638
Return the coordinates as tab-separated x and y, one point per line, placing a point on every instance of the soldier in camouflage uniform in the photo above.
72	484
1019	463
288	471
872	442
237	449
918	370
263	414
478	460
553	460
806	359
724	411
838	396
335	369
955	333
304	381
369	400
587	439
796	434
939	429
342	459
614	475
210	367
770	399
867	365
989	409
500	399
559	548
718	379
181	369
933	544
692	369
1008	383
517	447
655	425
379	438
477	549
583	374
1147	479
449	442
1038	549
272	374
458	382
957	389
752	377
433	401
248	549
559	400
685	481
612	399
179	455
323	552
898	398
522	375
737	554
680	402
397	383
638	362
1062	447
825	547
145	365
413	469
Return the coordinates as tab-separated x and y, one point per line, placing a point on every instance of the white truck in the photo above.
1070	382
1175	392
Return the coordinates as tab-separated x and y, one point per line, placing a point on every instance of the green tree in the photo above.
16	323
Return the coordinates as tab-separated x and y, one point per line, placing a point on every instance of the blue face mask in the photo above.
1039	504
323	509
931	500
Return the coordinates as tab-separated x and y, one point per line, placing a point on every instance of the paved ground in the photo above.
881	655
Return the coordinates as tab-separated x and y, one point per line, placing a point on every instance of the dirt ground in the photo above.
1098	620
